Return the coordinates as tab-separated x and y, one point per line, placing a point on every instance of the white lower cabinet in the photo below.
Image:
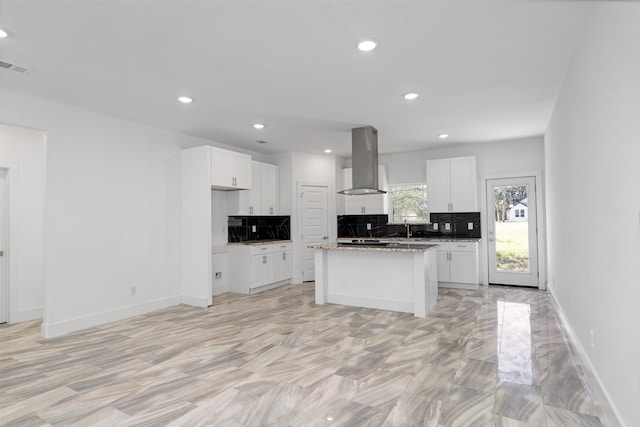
254	268
458	265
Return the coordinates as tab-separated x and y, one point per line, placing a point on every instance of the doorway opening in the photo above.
4	244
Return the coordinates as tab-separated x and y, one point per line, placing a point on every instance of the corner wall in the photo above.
112	218
592	152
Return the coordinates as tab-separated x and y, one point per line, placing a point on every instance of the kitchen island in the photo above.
393	276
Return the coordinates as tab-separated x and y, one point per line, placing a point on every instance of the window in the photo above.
409	202
519	213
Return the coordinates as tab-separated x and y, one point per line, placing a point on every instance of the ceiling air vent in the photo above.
14	67
262	141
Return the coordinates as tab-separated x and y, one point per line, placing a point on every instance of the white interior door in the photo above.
512	246
315	225
4	243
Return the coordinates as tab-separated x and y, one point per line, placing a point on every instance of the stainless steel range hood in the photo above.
364	160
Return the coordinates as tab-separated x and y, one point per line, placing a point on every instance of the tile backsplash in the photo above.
362	225
377	226
251	228
459	223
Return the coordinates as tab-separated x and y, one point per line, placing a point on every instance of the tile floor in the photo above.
493	357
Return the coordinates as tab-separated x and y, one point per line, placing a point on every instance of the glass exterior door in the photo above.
512	244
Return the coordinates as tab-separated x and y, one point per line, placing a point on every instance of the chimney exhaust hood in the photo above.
364	160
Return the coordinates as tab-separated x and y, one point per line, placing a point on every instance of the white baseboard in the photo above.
195	301
611	413
455	285
268	287
401	306
51	330
27	314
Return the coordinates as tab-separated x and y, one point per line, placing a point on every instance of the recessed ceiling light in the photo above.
185	99
411	95
367	45
443	135
328	150
3	33
258	126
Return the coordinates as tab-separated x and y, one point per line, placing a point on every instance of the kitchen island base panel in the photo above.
396	281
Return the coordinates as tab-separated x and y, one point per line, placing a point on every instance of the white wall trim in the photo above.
611	414
194	300
540	212
51	330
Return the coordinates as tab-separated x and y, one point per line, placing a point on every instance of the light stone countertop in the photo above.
413	239
259	242
397	247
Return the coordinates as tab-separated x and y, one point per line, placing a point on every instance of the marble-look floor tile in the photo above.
466	406
520	402
558	417
494	357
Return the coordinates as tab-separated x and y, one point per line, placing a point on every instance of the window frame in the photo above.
392	215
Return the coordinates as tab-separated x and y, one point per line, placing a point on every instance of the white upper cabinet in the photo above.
372	204
230	170
270	189
452	185
263	198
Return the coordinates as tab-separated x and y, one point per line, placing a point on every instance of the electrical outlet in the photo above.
447	226
254	228
435	226
133	290
218	274
368	226
469	226
593	339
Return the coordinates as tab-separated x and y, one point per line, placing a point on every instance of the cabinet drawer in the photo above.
261	249
270	248
280	247
462	247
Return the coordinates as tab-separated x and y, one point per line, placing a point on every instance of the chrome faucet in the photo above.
408	226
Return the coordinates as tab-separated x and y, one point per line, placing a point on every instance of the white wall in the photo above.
592	149
492	158
112	216
23	153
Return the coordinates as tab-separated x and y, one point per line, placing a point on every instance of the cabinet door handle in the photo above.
250	209
264	259
284	256
270	210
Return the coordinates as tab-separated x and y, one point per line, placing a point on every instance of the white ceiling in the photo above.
485	70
